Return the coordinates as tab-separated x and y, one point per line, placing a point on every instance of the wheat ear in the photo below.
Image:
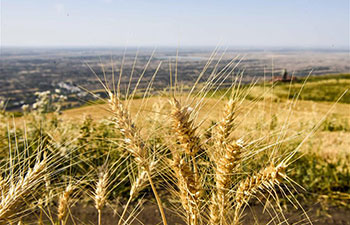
265	179
187	178
63	203
226	126
100	196
16	196
226	156
132	138
190	190
225	166
135	145
184	127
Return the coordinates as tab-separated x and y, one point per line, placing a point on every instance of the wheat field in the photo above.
203	157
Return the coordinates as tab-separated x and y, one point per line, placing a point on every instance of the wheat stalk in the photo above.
226	165
135	145
100	196
40	206
2	186
141	180
138	184
48	193
101	190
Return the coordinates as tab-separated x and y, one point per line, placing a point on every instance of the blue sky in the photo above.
249	23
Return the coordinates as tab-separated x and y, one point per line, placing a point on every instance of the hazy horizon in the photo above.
187	47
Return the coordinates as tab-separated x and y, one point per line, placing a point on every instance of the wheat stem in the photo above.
99	216
157	199
125	209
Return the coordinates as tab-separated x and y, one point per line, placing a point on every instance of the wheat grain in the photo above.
223	176
226	126
63	203
184	127
101	190
100	196
226	165
190	189
214	210
186	173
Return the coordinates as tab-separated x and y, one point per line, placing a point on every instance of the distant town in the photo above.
75	72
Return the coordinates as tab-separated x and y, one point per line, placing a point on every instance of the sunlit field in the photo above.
260	153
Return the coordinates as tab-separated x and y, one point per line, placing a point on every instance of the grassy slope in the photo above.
100	111
317	88
256	114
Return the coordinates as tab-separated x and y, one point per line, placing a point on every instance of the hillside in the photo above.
326	88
